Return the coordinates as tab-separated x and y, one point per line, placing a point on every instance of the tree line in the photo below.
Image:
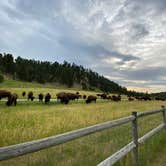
65	73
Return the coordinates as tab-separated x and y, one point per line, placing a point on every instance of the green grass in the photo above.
19	86
33	120
29	121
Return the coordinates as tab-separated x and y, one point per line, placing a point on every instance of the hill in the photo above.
65	74
54	74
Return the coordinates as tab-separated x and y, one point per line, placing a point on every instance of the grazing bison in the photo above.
41	96
103	95
4	94
73	96
63	97
108	97
47	98
146	98
130	98
84	97
66	97
30	96
90	99
12	98
23	93
139	98
160	98
116	98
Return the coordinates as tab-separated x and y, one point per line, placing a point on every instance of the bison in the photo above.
4	94
103	95
90	99
30	96
116	98
12	98
84	97
63	97
160	98
108	97
41	96
47	98
66	97
23	93
73	96
130	98
146	98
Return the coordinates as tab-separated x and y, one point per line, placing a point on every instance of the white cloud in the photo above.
112	60
109	35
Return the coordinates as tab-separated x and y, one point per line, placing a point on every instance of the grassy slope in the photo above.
29	121
19	86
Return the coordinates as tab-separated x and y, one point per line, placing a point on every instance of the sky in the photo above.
124	40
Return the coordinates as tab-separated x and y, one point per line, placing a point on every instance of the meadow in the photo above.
33	120
18	87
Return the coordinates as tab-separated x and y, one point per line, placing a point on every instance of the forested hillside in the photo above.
67	74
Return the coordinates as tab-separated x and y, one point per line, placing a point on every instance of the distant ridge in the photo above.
53	72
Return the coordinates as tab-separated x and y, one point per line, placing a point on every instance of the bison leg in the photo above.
15	102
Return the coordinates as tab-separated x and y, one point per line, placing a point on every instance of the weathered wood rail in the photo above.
36	145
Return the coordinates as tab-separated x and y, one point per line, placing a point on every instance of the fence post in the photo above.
135	138
164	116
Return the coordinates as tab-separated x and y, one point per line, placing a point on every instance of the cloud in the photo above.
123	40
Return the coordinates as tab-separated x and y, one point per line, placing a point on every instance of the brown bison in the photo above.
138	98
63	97
108	97
73	96
4	94
12	98
160	98
103	95
130	98
84	97
116	98
41	96
47	98
23	93
146	98
30	96
90	99
66	97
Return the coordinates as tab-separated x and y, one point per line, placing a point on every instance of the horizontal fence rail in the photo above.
118	155
150	133
33	146
36	145
140	114
131	146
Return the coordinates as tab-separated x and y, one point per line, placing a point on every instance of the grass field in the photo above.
33	120
28	121
19	86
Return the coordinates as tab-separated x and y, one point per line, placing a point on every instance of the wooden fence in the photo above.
36	145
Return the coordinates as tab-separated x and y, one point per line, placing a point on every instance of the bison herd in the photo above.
65	97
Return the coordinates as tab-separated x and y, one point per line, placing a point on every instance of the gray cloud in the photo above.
138	31
151	73
123	40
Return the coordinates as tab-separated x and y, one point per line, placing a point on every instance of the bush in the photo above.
1	77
